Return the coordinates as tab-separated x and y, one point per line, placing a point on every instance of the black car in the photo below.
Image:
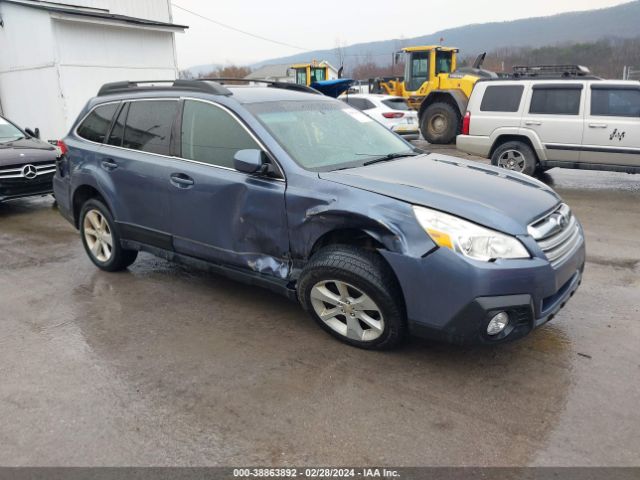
27	164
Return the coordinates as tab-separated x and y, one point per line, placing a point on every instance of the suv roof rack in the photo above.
551	71
273	84
155	85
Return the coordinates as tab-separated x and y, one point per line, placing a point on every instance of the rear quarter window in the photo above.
502	98
149	125
96	126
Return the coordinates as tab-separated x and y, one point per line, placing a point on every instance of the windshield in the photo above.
327	135
9	133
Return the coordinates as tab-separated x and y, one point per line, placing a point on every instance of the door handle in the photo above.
181	180
533	123
598	125
109	165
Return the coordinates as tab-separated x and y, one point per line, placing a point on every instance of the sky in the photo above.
304	26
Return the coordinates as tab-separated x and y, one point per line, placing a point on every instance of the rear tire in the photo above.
515	156
440	124
352	294
101	238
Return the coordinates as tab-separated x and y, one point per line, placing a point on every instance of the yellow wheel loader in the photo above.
435	87
310	73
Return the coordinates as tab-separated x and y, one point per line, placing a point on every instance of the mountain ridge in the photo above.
620	21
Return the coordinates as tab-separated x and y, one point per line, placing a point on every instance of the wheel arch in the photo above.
455	98
355	237
368	239
502	139
80	196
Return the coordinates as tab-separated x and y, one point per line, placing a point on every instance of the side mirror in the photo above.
250	161
31	133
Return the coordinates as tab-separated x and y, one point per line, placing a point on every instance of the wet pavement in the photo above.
164	365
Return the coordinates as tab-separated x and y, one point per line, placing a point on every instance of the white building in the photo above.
55	55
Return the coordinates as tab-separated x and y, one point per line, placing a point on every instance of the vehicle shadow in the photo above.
217	356
25	206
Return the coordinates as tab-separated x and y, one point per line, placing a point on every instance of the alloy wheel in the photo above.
512	160
98	236
347	310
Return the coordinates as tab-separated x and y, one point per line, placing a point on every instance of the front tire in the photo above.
440	124
515	156
101	239
352	294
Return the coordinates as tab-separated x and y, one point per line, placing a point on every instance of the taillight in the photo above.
62	148
393	114
466	124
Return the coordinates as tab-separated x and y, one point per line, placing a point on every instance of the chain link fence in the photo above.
631	73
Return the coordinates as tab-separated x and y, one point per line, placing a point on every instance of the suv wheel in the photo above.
101	240
353	295
440	124
516	156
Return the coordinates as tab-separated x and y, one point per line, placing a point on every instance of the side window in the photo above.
211	135
555	100
367	105
504	98
149	126
357	103
615	102
117	132
96	125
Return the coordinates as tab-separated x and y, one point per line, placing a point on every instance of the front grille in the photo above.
558	234
18	171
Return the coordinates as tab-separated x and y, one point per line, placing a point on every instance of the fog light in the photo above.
498	324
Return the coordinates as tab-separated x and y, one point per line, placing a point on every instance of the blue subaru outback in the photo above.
307	196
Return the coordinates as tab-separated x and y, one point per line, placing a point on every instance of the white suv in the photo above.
529	125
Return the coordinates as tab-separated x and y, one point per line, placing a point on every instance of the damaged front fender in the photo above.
314	213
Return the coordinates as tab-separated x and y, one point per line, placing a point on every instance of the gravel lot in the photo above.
163	365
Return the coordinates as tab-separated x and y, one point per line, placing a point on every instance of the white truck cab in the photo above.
535	124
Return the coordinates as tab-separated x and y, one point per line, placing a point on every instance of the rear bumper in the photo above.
406	129
452	299
474	145
61	191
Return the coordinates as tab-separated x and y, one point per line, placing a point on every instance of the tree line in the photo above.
605	58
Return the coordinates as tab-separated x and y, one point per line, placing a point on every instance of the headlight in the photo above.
467	238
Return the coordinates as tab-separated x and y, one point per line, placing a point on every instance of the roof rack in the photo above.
551	71
205	86
273	84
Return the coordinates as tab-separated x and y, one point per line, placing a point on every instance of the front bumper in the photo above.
21	187
452	299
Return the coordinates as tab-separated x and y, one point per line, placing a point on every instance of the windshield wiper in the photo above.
390	157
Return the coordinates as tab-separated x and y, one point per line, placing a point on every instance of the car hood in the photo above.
28	150
482	194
